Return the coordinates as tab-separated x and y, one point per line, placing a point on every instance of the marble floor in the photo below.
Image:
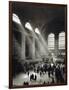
24	77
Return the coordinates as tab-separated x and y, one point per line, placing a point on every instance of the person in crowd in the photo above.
58	74
49	70
35	78
28	73
40	73
45	67
25	83
52	68
32	77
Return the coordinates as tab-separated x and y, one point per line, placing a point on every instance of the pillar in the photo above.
23	47
31	47
56	44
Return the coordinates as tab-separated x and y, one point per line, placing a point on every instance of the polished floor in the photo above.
41	79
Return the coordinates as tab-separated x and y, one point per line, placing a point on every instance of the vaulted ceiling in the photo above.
48	18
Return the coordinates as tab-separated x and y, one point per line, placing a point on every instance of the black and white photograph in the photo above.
38	44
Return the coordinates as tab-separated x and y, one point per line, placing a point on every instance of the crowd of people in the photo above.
55	71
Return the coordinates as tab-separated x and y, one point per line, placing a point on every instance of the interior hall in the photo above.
38	43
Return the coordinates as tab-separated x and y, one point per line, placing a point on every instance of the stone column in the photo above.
32	47
56	43
23	47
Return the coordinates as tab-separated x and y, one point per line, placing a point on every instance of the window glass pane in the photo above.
51	41
62	40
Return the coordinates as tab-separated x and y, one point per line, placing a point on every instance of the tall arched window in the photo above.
51	41
62	40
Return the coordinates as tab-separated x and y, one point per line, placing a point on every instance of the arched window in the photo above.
16	18
51	41
62	40
28	26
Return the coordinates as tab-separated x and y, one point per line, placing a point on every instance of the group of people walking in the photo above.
55	71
